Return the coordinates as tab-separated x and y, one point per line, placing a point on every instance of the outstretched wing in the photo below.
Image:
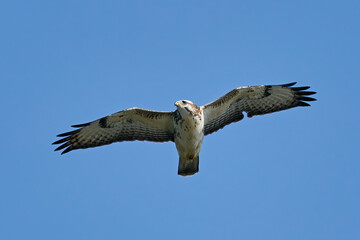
254	100
128	125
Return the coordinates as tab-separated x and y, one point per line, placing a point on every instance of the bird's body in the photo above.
189	134
187	125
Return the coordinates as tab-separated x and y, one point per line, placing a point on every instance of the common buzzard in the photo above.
187	125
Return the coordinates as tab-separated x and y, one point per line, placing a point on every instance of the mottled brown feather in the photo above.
128	125
254	100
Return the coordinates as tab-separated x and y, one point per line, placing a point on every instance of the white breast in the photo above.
189	136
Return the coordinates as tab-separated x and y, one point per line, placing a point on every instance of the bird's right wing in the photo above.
127	125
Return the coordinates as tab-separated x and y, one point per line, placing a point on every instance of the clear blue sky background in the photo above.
288	175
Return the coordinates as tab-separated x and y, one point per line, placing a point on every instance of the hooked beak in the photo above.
177	103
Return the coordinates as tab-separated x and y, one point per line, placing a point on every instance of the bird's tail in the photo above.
188	167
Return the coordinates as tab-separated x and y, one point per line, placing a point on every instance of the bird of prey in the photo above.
188	124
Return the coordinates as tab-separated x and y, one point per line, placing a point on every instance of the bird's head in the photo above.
186	107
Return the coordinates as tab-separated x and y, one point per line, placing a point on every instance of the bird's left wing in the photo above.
127	125
254	100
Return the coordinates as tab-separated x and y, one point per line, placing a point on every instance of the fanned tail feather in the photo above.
188	167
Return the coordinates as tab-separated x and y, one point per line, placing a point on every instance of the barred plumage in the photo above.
188	125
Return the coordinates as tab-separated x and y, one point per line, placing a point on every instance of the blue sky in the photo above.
288	175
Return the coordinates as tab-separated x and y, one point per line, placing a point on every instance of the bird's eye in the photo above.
183	101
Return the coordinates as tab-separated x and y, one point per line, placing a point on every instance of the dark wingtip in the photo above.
300	88
57	149
303	104
66	150
66	140
288	84
301	96
80	125
306	98
63	146
61	140
68	133
67	137
307	92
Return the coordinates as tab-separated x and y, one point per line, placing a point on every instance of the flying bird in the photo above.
188	124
